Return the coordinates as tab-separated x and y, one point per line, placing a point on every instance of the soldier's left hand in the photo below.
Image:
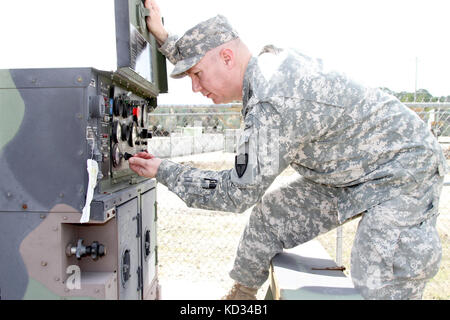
154	22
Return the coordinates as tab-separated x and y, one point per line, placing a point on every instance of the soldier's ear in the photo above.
227	57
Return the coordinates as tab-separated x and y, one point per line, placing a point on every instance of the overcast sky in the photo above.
373	41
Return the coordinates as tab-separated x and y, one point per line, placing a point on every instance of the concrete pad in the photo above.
187	290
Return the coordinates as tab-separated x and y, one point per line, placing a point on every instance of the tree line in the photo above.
422	95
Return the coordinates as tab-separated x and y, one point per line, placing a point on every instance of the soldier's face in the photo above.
211	77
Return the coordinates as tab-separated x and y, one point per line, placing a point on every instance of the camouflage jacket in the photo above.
362	141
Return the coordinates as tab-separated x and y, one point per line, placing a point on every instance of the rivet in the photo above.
56	278
61	195
55	228
80	79
24	206
44	263
64	218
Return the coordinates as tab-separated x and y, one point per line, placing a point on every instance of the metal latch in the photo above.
141	13
95	250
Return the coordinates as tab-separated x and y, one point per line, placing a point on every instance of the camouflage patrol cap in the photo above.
194	44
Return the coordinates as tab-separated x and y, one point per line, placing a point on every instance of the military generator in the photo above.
75	221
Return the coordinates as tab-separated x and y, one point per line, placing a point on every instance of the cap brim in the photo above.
184	65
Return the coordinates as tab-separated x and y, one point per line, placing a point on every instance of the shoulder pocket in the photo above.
244	173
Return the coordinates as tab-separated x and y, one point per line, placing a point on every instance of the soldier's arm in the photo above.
262	155
170	50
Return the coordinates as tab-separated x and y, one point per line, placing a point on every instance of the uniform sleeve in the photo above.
170	50
262	155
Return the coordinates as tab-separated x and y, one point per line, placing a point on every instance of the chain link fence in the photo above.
197	245
193	129
180	130
179	119
194	120
436	115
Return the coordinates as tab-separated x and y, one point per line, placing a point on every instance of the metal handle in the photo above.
141	13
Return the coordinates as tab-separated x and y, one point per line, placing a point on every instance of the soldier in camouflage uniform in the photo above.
358	152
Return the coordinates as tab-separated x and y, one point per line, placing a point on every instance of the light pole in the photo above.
415	86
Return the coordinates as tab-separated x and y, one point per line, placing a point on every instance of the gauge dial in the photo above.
116	155
126	106
118	107
124	132
117	131
132	134
144	116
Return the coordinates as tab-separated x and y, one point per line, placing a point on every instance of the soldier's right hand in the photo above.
144	164
144	155
154	22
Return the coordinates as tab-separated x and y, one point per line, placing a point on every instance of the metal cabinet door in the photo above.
128	254
148	200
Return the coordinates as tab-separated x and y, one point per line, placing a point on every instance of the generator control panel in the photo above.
117	128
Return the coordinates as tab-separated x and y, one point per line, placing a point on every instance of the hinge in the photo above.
156	210
140	279
139	225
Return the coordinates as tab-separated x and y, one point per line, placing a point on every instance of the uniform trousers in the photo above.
393	255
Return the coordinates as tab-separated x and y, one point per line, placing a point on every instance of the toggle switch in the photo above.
145	134
127	155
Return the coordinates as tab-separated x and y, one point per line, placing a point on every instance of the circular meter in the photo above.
124	131
144	116
125	109
132	134
118	106
117	131
116	155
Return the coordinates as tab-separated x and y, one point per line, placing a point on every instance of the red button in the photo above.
137	112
